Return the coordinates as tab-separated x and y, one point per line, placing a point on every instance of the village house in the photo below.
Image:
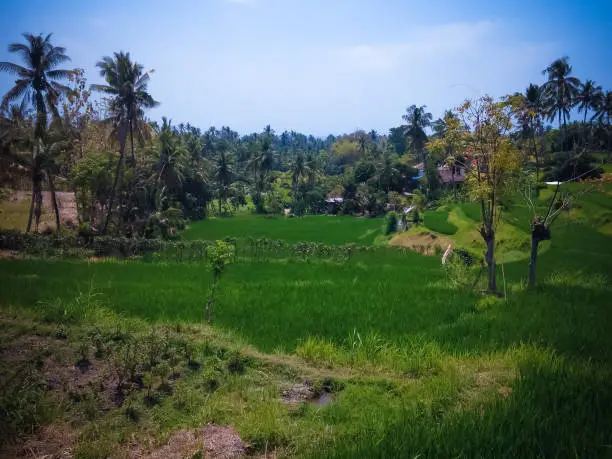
448	174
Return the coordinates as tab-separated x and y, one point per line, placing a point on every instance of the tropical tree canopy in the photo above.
36	81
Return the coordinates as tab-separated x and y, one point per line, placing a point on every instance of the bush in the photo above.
390	222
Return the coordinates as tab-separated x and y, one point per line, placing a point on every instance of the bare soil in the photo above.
298	393
424	242
213	441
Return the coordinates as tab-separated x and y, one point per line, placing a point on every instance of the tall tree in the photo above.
417	120
37	84
603	114
223	174
126	84
495	163
171	164
529	109
560	90
589	97
261	165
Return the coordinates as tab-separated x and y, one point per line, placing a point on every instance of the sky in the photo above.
321	66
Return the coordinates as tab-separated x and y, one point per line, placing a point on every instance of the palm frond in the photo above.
103	88
22	50
60	74
14	69
61	89
54	58
19	90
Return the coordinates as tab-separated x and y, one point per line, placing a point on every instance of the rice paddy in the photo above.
423	367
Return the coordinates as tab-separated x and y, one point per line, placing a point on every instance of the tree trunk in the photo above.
117	171
132	143
540	232
54	202
535	153
39	199
209	304
532	261
29	227
490	259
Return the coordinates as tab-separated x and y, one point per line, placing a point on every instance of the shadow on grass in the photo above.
555	409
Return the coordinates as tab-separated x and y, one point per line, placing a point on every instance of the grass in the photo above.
316	228
418	367
438	221
14	215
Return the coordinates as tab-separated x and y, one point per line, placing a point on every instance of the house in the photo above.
333	203
448	174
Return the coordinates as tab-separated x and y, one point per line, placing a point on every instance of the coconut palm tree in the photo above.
299	169
560	90
223	174
37	80
126	84
603	110
37	84
589	97
172	157
534	110
417	119
260	166
18	143
603	113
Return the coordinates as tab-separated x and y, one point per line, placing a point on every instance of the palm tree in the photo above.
18	142
261	165
223	174
560	90
127	87
603	113
417	120
298	170
439	125
171	162
312	166
589	97
534	110
37	84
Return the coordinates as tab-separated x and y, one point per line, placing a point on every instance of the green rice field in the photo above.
328	229
420	367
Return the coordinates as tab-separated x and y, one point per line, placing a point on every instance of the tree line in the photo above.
135	177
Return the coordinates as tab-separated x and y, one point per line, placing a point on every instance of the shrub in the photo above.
390	222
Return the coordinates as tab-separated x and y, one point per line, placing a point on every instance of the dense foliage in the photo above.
139	178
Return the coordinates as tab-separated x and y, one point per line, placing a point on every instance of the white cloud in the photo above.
322	89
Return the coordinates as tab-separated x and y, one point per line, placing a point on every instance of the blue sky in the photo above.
321	66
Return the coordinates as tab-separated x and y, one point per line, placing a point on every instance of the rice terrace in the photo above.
439	289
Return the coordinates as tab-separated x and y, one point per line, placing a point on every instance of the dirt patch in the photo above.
26	348
305	392
212	441
424	243
91	379
51	441
298	393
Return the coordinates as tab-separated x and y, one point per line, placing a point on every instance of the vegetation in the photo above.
212	281
438	221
